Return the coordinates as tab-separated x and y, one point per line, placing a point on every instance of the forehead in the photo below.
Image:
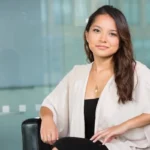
105	21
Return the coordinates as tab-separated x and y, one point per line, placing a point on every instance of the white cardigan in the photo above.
66	102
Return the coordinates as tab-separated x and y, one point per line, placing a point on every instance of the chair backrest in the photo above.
31	135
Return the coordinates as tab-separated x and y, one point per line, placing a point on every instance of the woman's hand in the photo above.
110	133
49	132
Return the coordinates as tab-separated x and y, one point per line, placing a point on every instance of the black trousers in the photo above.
73	143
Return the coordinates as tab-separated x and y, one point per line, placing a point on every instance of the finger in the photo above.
98	138
45	140
49	139
42	137
108	138
95	135
53	137
57	135
100	135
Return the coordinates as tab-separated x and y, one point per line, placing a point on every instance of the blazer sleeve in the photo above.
146	108
145	101
58	101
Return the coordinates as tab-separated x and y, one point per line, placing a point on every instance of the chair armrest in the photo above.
31	135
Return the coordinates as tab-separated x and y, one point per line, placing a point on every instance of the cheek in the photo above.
92	39
115	43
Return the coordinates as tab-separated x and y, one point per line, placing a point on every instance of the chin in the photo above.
103	55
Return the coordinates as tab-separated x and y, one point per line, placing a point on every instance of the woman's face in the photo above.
102	37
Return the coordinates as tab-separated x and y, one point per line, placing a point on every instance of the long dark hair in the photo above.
123	59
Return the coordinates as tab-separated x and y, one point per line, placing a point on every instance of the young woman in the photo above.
104	105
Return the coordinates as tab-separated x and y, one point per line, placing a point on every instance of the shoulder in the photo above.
81	69
143	72
141	69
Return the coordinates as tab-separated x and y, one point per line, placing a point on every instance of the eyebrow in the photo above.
101	28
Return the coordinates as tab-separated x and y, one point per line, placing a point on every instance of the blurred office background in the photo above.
40	41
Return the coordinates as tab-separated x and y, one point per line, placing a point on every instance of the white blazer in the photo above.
66	102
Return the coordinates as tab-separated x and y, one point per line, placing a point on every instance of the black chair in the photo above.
31	135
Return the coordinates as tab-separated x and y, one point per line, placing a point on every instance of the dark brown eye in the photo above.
113	34
96	30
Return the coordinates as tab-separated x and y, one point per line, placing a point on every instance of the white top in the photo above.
66	102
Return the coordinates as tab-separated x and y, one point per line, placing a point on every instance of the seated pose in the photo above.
105	104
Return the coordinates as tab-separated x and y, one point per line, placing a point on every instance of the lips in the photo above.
102	47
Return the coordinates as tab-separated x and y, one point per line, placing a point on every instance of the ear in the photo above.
86	36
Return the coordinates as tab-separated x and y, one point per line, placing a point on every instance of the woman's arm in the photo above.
54	112
45	112
48	131
137	122
108	134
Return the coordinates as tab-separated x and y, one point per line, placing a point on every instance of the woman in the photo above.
104	105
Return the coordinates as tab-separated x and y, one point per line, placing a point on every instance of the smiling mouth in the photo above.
102	47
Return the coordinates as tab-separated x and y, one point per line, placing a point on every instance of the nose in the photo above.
103	37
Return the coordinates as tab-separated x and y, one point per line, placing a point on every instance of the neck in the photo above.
101	64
